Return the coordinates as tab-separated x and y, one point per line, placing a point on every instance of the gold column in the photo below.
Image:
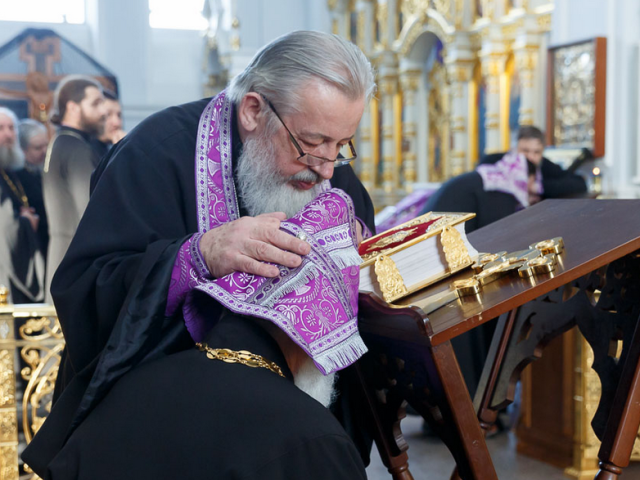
409	81
8	409
459	77
388	90
586	397
368	138
33	332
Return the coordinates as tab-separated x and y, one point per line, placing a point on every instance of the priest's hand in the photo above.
244	245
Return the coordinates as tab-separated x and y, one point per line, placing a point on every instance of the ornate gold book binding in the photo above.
416	254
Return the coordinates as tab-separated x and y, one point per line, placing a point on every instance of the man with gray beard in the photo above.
231	223
21	263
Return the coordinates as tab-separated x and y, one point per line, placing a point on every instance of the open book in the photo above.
416	254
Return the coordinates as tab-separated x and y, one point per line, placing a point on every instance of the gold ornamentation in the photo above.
455	251
360	32
382	13
574	93
484	259
414	7
7	379
466	287
4	295
391	284
544	22
241	356
8	426
555	245
332	4
538	266
394	238
9	462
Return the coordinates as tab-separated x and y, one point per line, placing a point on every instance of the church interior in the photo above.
457	81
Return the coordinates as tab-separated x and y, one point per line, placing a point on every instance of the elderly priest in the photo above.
210	293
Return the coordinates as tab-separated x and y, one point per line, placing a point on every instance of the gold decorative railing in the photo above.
30	346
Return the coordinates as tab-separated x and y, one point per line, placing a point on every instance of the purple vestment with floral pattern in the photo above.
316	304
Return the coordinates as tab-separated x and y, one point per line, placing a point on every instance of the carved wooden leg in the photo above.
486	415
624	417
387	435
474	461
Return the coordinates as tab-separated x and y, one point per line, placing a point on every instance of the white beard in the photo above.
263	189
312	382
11	158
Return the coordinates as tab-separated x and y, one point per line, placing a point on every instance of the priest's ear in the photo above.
251	111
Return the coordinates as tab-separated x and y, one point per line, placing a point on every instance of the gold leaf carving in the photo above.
455	251
391	283
7	380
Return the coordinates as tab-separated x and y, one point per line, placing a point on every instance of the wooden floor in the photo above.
429	459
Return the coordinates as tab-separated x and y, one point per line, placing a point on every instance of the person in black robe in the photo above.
21	262
79	113
111	288
34	139
467	193
174	413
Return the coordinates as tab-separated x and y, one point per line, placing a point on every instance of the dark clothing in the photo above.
186	416
32	183
556	182
66	181
465	193
110	291
21	265
101	148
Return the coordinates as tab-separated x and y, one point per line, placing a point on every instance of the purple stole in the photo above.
315	304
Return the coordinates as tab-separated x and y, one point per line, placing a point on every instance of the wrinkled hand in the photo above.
245	244
31	215
358	234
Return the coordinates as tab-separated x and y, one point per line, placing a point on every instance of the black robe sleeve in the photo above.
558	183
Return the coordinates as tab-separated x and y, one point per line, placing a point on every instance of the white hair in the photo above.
12	116
11	158
27	129
281	69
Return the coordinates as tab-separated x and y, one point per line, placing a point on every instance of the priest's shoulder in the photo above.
155	129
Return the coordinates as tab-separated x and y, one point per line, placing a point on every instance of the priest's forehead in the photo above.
325	114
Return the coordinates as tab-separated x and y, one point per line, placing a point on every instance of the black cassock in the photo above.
185	416
110	290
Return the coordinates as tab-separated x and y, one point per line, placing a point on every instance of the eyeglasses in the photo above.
346	154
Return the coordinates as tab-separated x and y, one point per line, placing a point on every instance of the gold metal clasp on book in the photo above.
455	251
391	283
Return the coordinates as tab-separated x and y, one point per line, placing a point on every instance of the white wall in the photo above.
157	68
618	21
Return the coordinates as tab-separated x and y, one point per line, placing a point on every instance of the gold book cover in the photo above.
416	254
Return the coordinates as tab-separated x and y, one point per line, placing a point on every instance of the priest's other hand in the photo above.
244	245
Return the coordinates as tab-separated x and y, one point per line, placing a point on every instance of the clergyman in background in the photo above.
34	140
21	262
112	132
80	114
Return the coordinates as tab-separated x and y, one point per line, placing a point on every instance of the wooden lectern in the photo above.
596	286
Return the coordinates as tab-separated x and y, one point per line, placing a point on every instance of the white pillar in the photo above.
526	49
493	58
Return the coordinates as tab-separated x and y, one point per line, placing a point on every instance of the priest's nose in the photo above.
325	170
